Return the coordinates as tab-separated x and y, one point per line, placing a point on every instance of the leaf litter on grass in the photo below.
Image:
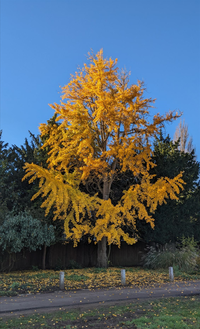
87	278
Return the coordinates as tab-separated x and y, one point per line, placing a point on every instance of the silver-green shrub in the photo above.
183	256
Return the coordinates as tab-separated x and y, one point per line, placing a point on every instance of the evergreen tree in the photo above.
16	195
3	174
23	231
180	217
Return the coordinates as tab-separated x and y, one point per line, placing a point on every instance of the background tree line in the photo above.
25	226
23	223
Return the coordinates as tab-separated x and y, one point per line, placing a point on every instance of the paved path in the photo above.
86	298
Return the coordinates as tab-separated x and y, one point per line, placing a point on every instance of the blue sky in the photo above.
44	41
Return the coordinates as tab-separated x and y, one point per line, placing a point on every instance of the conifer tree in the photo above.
180	217
105	130
15	195
3	174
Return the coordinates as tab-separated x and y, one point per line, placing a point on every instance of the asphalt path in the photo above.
80	299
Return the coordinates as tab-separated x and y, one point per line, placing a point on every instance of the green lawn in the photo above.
171	313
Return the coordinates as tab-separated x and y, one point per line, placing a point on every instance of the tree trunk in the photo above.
109	252
44	257
102	258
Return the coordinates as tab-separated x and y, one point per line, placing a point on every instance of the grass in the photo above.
170	313
89	278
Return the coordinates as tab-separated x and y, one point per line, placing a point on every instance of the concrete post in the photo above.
62	283
123	277
171	274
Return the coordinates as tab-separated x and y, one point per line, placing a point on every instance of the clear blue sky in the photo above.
44	41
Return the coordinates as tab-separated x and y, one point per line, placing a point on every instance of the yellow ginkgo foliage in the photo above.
105	129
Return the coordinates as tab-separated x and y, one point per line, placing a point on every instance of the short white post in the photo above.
62	283
171	274
123	277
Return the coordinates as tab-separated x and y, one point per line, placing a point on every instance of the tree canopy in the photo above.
105	129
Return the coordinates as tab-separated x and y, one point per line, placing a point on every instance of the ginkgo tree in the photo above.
105	129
